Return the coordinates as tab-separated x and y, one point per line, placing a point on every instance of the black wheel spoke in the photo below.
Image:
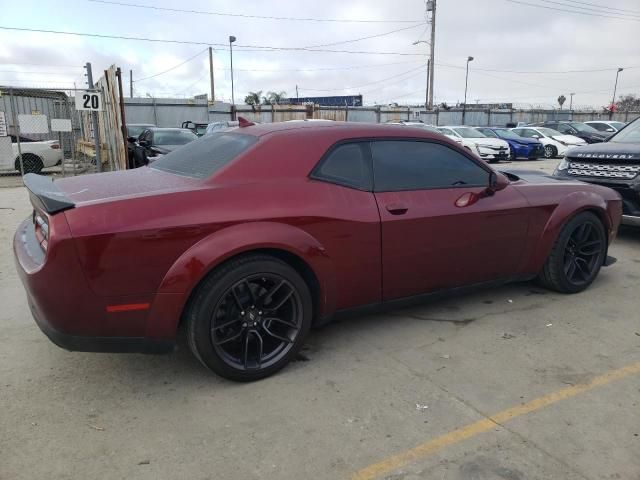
267	297
229	339
570	269
590	248
247	285
226	324
583	267
246	350
280	320
281	302
236	298
275	335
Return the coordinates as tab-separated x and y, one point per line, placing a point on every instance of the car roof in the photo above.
175	129
334	129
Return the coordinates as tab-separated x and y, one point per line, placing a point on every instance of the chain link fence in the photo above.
43	131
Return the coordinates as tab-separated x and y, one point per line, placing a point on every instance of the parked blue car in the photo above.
521	147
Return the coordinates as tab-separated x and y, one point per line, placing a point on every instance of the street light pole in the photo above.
466	82
613	100
231	40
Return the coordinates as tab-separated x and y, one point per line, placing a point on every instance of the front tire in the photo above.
249	318
550	151
577	255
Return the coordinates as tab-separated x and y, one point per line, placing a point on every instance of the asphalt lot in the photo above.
512	383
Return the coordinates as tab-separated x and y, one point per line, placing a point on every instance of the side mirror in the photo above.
611	130
535	136
143	143
497	182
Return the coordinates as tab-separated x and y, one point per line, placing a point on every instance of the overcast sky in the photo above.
499	34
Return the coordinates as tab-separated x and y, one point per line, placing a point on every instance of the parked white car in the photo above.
36	155
606	126
489	149
555	143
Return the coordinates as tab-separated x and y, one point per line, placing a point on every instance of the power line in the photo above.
608	69
366	38
193	42
590	9
240	15
31	73
571	11
4	62
321	69
607	7
172	68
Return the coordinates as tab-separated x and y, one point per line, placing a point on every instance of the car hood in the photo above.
110	186
619	152
493	142
569	139
524	141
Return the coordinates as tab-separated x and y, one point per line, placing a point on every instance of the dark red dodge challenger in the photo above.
250	237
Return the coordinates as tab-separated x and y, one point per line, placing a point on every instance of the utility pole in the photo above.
466	82
613	100
426	100
213	92
94	120
431	5
130	83
297	92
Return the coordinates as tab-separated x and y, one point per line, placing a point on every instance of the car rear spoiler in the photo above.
46	195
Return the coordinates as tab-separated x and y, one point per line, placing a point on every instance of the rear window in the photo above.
203	157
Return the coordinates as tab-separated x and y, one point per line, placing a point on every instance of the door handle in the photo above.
397	208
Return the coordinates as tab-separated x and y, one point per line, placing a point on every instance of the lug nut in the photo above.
244	324
260	312
242	313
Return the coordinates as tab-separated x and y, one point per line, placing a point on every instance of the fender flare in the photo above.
199	260
569	207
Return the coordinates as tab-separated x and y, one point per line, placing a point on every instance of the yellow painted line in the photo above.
425	449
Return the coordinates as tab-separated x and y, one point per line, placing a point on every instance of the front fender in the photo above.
194	264
570	206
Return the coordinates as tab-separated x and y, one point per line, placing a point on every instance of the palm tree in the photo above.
275	98
561	100
253	98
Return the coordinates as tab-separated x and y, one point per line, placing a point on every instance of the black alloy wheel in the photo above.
577	255
256	321
583	253
249	317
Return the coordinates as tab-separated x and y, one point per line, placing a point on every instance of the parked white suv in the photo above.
555	143
489	149
36	155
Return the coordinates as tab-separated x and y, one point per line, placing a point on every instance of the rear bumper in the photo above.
77	343
70	313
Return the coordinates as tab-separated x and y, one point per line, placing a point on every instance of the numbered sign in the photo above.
86	100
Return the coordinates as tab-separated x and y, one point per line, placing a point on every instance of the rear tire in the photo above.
249	317
577	255
550	151
31	163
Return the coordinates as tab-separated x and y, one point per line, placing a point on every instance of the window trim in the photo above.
366	150
459	150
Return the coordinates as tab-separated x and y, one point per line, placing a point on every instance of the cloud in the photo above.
499	34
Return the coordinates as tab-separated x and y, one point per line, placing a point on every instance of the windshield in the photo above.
467	132
549	132
201	129
630	134
204	156
581	127
508	134
173	137
489	133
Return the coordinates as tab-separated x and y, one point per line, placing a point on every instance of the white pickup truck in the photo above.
36	155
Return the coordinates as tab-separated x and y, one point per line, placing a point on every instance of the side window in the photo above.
562	128
599	126
526	132
519	132
414	165
347	164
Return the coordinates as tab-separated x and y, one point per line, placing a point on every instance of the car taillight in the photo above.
55	146
42	229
